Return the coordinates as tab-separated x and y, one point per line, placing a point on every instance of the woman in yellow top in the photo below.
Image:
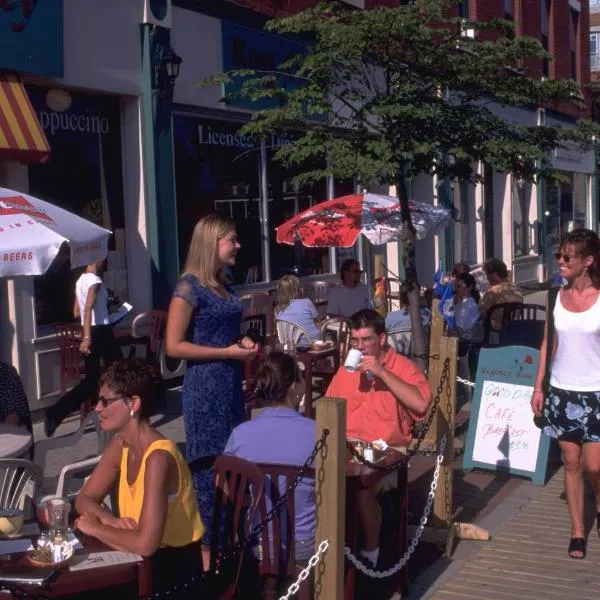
158	514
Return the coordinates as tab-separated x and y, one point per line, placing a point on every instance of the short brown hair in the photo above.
135	377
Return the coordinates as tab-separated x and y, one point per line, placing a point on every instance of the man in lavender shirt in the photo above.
279	435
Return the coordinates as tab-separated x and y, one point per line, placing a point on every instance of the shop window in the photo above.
217	169
84	176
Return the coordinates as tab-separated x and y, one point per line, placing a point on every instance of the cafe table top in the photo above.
14	440
365	476
69	582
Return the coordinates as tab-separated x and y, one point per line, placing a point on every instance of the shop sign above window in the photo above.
245	48
31	36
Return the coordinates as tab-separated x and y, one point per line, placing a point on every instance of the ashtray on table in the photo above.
51	551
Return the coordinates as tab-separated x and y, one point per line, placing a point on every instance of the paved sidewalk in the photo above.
526	558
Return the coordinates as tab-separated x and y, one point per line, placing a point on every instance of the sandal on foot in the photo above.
577	545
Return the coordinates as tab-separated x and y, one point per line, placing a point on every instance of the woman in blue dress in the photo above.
203	328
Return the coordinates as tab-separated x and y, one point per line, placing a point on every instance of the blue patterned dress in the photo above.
212	390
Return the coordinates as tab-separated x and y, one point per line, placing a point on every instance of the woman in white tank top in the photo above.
571	407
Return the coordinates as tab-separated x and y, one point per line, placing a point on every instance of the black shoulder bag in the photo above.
552	295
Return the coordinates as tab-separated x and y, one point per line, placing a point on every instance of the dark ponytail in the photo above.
275	377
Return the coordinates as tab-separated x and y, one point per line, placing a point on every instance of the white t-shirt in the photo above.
100	308
346	301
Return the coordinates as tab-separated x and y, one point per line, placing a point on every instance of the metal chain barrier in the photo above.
410	453
417	537
422	356
465	382
257	530
303	576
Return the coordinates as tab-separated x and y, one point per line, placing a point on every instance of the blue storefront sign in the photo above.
31	36
245	48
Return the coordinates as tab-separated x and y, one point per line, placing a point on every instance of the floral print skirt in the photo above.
572	416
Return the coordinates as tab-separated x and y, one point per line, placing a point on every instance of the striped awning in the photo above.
21	135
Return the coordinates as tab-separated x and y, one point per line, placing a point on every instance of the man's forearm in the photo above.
406	393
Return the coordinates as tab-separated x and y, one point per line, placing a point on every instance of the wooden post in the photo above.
331	498
442	504
434	368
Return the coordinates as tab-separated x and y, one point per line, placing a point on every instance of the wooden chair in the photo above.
392	295
318	292
150	327
72	365
239	488
258	313
278	565
337	328
71	361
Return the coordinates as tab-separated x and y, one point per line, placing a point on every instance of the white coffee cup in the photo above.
353	360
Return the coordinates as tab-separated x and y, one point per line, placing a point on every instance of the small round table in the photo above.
14	440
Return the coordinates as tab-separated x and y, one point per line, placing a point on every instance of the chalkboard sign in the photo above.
502	435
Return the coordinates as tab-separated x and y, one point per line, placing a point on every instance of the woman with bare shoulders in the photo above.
567	388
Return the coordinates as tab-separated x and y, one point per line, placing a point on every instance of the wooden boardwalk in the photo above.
527	559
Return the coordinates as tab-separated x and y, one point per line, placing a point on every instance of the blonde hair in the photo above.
288	289
203	252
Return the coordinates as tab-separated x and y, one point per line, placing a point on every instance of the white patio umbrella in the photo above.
32	232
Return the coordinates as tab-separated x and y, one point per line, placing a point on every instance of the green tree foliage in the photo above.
385	94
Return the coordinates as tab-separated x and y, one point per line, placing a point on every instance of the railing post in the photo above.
442	504
331	497
435	368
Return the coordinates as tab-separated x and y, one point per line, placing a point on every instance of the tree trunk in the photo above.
411	282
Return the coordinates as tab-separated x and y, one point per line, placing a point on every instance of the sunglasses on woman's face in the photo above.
566	258
104	402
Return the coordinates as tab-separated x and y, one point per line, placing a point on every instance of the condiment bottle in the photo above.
359	448
369	453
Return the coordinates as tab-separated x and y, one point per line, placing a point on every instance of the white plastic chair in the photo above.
290	332
19	480
65	441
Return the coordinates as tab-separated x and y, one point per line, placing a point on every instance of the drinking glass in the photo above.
58	516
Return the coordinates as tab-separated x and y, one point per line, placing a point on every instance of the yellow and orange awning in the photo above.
21	135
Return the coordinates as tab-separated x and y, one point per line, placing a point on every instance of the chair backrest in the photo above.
19	480
318	291
338	328
510	311
71	361
277	542
72	439
252	275
239	488
150	324
260	306
290	332
528	333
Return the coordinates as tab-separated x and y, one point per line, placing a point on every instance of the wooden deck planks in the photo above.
527	559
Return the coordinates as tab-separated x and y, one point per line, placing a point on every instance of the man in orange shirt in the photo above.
384	397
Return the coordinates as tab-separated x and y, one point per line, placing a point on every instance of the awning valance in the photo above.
21	135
